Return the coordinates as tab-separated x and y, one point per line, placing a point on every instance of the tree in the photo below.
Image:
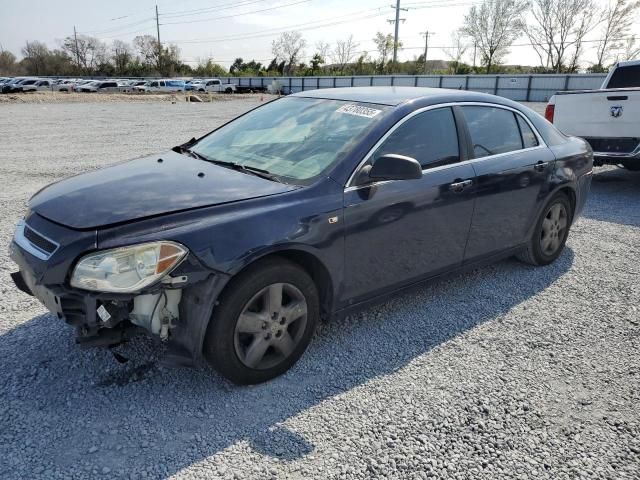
618	16
316	61
458	48
35	58
122	55
344	52
289	48
493	26
323	49
557	30
147	49
209	69
384	45
7	63
87	51
631	49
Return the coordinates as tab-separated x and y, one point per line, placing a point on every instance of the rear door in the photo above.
513	167
401	231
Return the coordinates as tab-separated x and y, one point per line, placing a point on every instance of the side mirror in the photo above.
394	167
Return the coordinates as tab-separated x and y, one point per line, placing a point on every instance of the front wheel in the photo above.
551	232
263	323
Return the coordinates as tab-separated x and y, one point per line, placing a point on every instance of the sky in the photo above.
224	29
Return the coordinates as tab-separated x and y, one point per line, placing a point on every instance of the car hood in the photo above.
147	187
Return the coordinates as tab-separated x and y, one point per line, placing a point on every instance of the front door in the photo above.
401	231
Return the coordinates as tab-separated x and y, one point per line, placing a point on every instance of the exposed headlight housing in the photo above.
127	269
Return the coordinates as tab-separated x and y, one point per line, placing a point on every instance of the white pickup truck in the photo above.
216	85
609	118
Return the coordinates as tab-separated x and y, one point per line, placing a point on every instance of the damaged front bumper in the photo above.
175	310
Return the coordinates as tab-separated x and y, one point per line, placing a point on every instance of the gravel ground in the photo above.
506	372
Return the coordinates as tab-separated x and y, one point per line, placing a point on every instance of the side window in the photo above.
529	138
430	137
162	84
216	82
153	84
492	130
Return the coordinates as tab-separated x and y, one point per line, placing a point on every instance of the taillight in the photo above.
549	111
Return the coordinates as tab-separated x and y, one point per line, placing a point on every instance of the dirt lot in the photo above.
506	372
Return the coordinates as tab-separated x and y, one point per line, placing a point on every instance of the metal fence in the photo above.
523	88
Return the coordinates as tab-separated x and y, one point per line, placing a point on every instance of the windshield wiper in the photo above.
258	172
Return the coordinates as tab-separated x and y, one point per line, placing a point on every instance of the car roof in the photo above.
397	95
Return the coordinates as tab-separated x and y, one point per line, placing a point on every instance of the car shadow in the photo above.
77	412
612	191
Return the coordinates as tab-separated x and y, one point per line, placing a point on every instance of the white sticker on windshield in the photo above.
359	111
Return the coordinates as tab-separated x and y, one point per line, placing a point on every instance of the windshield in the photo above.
294	138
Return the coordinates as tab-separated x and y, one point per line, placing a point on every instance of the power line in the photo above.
222	6
237	14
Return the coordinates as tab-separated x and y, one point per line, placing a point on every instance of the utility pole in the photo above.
159	44
397	25
426	48
75	36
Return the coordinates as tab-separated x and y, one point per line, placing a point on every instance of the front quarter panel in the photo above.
228	237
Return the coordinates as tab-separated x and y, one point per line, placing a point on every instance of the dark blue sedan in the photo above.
232	247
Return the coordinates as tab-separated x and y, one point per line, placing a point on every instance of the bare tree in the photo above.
493	26
459	47
618	16
121	54
86	51
289	48
147	49
557	29
7	62
384	45
344	52
631	49
323	49
35	57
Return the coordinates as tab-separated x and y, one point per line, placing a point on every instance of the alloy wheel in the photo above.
270	326
554	228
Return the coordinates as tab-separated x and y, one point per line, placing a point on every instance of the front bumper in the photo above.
45	276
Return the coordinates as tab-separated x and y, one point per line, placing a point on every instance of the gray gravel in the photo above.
507	372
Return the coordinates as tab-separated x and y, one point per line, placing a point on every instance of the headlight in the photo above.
127	269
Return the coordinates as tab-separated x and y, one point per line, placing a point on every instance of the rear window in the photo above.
625	77
492	130
175	83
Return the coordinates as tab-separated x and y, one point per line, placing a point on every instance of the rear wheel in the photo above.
263	323
550	234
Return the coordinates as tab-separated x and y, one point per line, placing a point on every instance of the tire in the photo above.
247	341
551	232
632	166
228	90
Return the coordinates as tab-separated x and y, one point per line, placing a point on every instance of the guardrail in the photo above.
523	88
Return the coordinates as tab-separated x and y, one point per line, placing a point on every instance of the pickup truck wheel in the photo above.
551	232
632	166
263	323
228	90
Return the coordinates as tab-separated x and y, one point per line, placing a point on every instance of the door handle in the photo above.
540	166
459	186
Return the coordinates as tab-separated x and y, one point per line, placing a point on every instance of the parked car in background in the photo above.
216	85
306	207
608	118
64	85
28	85
100	86
77	85
44	85
166	85
15	84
